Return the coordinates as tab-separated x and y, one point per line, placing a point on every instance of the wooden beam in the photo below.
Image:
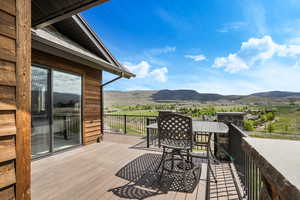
102	107
60	15
23	99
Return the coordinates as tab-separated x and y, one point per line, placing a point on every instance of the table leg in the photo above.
148	138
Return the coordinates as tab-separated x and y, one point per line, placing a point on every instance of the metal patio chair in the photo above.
176	138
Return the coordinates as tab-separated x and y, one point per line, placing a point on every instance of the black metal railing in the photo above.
136	124
249	175
152	134
127	124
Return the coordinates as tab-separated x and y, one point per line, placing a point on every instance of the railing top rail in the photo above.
240	130
278	162
130	115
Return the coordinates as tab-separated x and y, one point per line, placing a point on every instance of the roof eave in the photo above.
103	65
81	21
63	14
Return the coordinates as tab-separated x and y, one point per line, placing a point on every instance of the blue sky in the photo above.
214	46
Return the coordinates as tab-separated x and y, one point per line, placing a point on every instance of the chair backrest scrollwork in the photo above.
175	129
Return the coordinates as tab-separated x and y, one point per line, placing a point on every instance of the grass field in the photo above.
287	120
273	136
287	117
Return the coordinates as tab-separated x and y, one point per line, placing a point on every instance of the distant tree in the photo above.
271	127
286	128
266	128
248	125
270	116
292	101
263	118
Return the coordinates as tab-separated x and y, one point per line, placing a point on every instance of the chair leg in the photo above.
172	164
161	160
209	166
162	170
193	170
212	155
184	169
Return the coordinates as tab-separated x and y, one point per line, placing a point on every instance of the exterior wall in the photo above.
92	79
15	55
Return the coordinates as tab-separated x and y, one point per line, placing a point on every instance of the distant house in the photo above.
51	65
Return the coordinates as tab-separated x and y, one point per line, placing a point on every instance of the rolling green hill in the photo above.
187	96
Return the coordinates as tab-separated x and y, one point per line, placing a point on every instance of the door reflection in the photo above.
40	109
66	110
56	110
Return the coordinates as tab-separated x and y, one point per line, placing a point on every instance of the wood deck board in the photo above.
92	172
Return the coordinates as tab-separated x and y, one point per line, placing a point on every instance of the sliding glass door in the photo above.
40	109
56	110
66	109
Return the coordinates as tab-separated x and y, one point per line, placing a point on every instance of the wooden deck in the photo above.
118	168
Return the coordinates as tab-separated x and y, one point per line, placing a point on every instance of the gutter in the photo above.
113	80
102	104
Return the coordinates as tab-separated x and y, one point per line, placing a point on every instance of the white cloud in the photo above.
232	63
255	14
196	57
277	76
233	26
160	74
268	76
143	70
259	48
253	52
295	40
291	28
163	50
225	87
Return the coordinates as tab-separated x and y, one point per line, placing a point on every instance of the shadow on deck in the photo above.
122	168
143	179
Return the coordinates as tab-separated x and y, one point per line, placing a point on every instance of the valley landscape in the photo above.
274	112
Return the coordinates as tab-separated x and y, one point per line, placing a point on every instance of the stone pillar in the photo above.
236	118
165	112
222	140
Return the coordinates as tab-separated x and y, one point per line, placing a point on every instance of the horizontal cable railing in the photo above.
249	174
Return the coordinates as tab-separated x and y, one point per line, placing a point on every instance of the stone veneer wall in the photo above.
222	140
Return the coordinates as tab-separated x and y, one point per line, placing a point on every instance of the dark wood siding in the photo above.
92	113
15	59
92	79
7	99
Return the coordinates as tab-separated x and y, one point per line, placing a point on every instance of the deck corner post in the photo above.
23	99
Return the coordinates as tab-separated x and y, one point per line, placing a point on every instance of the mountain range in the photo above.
160	96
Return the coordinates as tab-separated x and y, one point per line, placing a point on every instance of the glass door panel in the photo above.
40	109
66	126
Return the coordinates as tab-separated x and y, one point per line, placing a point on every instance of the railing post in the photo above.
125	124
148	132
